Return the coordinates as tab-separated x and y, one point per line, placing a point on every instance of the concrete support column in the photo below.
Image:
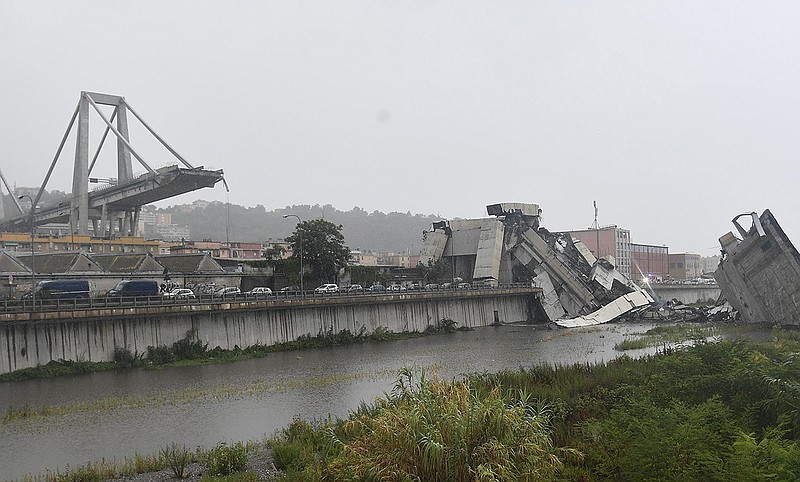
124	167
103	220
80	177
135	227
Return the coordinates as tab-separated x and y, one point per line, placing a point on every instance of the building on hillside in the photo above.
245	251
363	258
685	266
276	249
402	260
172	232
608	241
649	261
214	249
220	250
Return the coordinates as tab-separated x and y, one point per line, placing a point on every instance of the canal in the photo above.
113	415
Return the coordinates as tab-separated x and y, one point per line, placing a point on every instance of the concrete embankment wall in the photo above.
28	340
688	293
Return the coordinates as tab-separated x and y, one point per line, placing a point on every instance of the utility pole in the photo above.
596	228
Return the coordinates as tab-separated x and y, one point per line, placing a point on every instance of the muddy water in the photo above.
113	415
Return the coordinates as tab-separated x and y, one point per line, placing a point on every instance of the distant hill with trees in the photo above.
376	231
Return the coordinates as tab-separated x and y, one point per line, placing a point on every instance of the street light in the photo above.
33	251
300	234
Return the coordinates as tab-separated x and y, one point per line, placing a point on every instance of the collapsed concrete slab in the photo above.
611	311
759	273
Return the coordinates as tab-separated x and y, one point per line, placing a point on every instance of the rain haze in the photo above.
673	116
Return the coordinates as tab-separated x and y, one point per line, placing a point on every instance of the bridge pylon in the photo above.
114	210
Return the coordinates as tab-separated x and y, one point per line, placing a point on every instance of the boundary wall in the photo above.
688	294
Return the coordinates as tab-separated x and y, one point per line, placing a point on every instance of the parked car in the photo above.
63	288
179	293
446	286
432	286
397	287
230	291
134	287
377	288
327	288
260	291
289	290
414	287
355	289
463	286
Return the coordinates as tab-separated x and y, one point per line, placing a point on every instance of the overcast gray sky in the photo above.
674	116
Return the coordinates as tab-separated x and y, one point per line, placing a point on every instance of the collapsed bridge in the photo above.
114	209
578	289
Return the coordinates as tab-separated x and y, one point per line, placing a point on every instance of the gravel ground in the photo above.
258	461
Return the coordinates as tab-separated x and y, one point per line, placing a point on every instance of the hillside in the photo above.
376	231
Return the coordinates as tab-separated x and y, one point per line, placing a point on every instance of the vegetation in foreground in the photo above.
191	351
727	411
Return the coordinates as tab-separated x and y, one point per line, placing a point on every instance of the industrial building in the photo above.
649	261
608	241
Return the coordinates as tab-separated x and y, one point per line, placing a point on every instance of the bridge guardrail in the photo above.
75	304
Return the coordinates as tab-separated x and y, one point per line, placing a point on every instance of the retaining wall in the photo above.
32	339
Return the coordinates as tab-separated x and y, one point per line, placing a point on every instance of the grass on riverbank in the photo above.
222	463
713	411
671	335
191	351
667	335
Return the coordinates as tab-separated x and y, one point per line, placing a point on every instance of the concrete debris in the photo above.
511	247
759	272
611	311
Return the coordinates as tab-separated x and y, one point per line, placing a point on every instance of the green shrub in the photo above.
772	458
125	358
189	347
160	355
381	333
226	459
434	431
296	446
643	441
177	458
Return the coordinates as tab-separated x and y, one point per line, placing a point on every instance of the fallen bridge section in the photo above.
759	273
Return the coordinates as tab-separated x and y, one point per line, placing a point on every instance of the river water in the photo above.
113	415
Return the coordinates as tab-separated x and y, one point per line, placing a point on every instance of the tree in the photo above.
323	248
274	252
436	272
